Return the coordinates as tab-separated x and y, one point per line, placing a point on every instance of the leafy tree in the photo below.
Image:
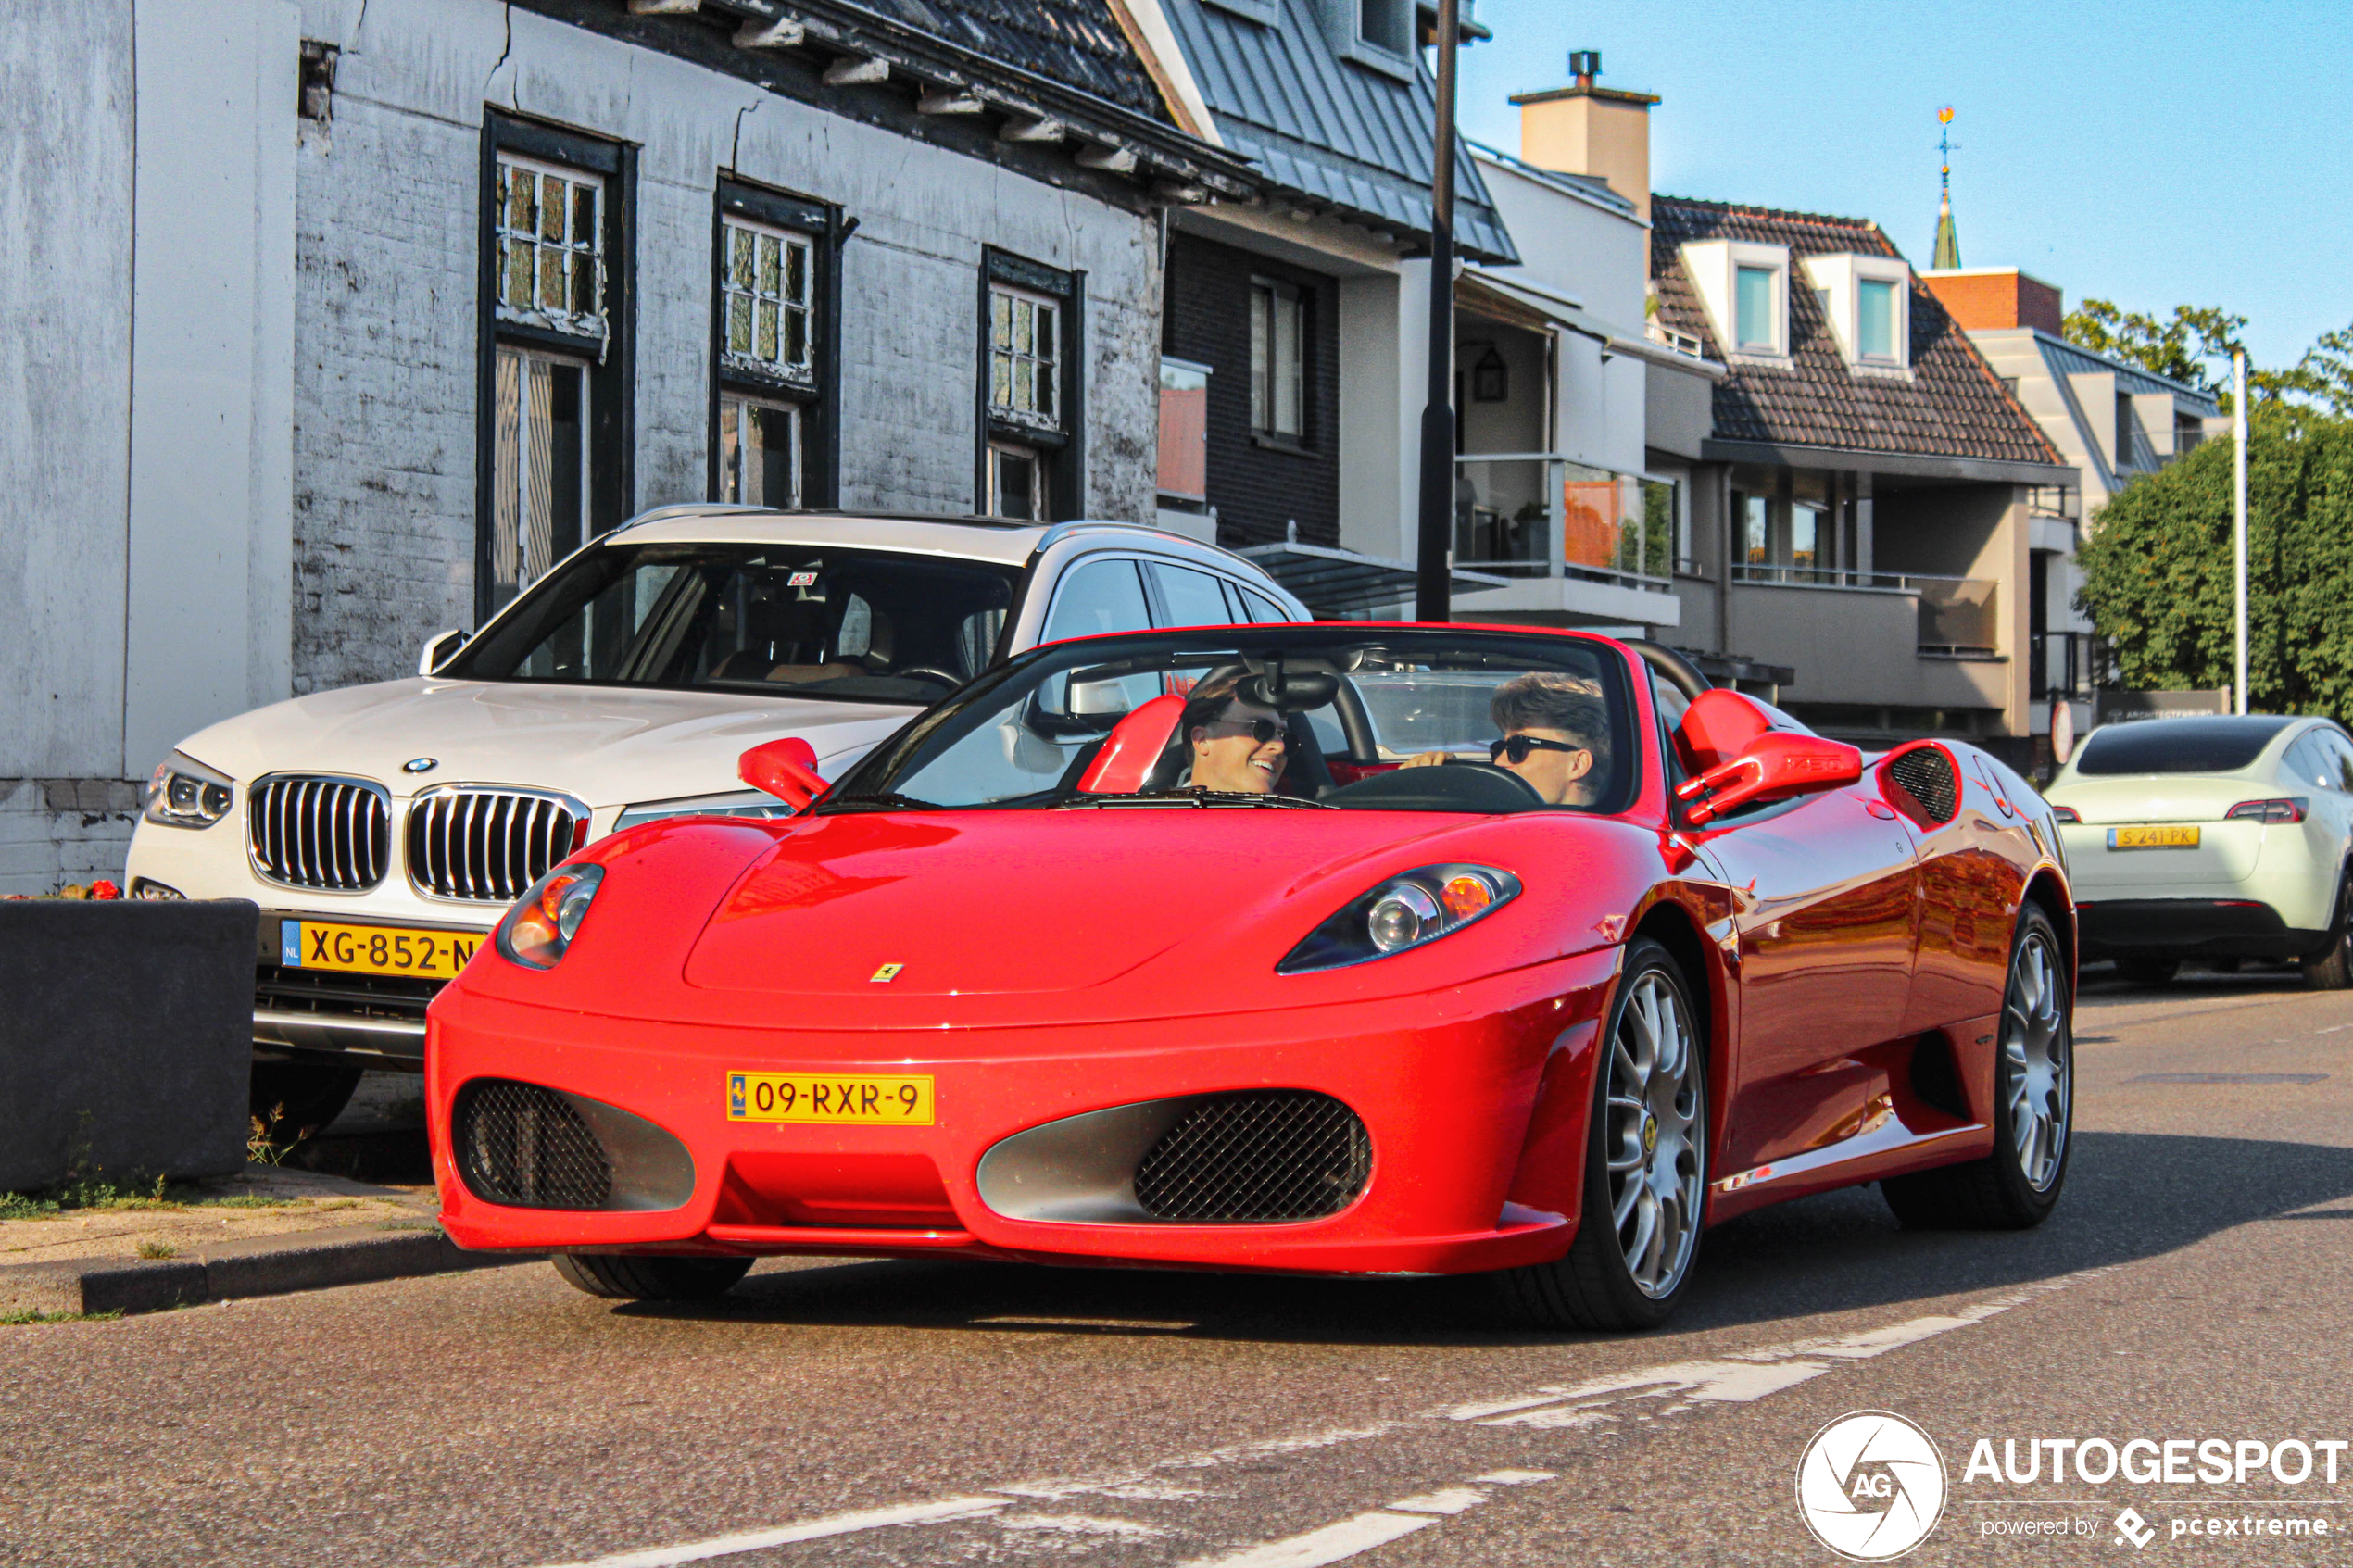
2190	348
2157	568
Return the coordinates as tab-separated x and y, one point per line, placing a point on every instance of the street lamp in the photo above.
1433	580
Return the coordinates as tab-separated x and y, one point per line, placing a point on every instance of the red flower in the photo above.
105	889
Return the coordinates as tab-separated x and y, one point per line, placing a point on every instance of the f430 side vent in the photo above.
1922	781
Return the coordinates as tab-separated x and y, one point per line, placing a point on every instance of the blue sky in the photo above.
2190	153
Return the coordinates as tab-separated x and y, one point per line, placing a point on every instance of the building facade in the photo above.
364	314
2112	421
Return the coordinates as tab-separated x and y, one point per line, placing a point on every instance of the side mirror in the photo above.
439	649
1776	765
786	769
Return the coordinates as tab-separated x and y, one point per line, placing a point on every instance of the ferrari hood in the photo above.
605	746
982	903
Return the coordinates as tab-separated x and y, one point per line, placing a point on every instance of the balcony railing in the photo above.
2059	664
1959	617
1536	514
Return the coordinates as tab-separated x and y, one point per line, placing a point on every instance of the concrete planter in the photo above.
127	1027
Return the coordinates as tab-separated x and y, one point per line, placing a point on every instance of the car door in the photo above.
1823	892
2318	765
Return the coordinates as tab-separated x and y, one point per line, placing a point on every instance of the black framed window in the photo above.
1032	391
1279	361
776	326
554	425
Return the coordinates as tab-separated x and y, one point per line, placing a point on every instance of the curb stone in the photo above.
262	1265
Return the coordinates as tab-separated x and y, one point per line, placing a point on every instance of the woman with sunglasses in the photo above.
1237	747
1554	736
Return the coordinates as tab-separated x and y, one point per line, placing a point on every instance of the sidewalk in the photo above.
268	1230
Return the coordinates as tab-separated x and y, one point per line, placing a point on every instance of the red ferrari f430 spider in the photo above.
1351	949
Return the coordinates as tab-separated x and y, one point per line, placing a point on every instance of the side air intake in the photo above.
523	1146
1922	782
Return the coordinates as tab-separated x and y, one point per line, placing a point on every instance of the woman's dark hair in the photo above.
1544	701
1206	702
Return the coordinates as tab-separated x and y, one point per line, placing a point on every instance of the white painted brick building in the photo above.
254	421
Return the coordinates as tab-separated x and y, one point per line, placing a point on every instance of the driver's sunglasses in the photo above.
1259	730
1517	747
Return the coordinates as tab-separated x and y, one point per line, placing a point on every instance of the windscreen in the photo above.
1397	720
807	619
2177	746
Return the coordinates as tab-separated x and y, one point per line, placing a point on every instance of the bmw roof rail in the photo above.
1063	531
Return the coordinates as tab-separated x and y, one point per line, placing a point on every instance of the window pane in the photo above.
583	217
1000	320
1001	381
742	244
1043	376
2177	746
1044	315
738	324
1260	337
1263	609
514	282
764	342
538	466
1289	391
1753	529
731	456
797	337
1875	332
552	208
1104	595
771	265
1194	598
797	273
1752	308
1805	532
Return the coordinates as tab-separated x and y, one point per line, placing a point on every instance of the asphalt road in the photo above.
2193	1287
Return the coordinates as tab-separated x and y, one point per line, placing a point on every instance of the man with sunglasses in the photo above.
1556	737
1237	747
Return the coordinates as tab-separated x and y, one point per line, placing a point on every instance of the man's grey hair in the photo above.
1542	700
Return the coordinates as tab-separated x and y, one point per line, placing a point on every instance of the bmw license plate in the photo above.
853	1099
375	949
2165	835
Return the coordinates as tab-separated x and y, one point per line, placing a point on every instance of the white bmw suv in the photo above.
383	829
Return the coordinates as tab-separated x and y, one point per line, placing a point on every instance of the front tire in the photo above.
1646	1164
2016	1185
619	1277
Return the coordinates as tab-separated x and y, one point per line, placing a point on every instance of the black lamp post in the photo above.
1433	585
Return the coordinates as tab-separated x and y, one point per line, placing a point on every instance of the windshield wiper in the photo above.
886	801
1196	798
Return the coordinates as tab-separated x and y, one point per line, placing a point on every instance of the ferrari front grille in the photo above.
490	845
311	831
526	1147
1925	775
1266	1154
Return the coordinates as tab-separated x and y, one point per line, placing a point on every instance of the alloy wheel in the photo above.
2035	1043
1654	1161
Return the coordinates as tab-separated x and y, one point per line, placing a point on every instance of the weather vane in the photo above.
1944	149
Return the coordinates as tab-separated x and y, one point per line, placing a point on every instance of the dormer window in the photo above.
1745	289
1867	301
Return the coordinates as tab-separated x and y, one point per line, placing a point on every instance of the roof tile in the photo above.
1953	406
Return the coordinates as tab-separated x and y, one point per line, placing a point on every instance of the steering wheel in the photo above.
926	672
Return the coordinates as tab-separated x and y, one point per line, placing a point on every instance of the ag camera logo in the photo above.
1871	1486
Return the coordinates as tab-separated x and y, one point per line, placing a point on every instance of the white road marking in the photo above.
785	1534
1331	1544
1738	1377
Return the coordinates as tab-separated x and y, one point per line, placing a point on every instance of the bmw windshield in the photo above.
1294	717
816	621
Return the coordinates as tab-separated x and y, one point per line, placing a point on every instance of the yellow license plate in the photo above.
824	1097
375	949
2168	835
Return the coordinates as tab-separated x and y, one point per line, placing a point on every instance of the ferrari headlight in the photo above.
540	927
1403	913
186	794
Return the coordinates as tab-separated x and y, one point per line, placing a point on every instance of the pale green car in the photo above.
2220	837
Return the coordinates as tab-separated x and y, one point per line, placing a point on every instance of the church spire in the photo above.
1948	238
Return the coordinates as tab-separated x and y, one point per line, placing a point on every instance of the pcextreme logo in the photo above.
1871	1486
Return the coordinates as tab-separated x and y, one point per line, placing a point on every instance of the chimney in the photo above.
1997	299
1583	129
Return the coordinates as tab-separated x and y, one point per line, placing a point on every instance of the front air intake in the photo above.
1267	1154
528	1147
1923	782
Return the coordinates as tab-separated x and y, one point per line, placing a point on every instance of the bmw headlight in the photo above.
1405	912
736	803
539	929
186	793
